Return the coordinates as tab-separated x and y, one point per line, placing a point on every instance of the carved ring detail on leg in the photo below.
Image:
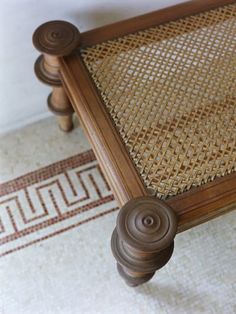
143	240
55	39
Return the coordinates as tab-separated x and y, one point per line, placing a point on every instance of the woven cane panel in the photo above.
170	91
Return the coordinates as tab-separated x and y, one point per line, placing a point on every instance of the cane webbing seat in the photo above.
170	92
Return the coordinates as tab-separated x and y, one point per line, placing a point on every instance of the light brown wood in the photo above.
155	18
60	105
205	202
54	39
107	145
143	240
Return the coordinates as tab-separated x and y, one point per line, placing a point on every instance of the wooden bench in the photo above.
156	97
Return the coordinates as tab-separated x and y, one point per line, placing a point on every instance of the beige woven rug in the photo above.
56	217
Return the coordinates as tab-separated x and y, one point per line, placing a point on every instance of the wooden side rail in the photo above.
147	20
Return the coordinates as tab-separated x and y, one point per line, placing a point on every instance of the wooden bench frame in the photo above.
74	90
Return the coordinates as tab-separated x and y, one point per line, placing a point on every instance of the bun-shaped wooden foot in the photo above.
143	240
55	39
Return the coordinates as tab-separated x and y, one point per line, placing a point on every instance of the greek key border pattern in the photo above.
52	200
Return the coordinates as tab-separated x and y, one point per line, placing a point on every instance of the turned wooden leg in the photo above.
143	240
55	39
59	104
